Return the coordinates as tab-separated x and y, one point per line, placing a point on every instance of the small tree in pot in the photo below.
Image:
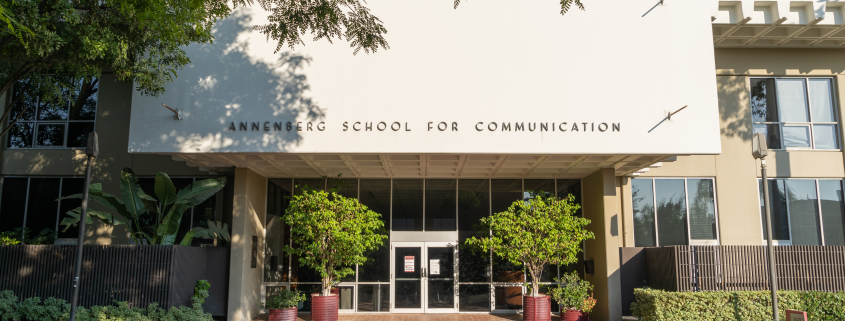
575	297
331	233
535	233
283	305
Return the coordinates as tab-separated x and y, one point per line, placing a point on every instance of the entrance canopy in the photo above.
416	165
490	88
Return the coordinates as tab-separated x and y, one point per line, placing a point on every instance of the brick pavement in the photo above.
417	317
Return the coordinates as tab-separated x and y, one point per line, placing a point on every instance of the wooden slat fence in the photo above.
745	268
139	275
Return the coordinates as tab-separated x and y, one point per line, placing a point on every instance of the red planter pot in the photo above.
573	315
324	308
536	308
283	314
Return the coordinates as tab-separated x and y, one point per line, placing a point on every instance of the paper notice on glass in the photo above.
434	266
409	264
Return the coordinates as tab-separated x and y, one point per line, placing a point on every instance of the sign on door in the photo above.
409	264
434	266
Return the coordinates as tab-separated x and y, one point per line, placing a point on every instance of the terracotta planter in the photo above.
283	314
324	308
574	315
536	308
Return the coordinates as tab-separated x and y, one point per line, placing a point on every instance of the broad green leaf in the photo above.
200	191
186	241
166	232
131	193
164	189
72	218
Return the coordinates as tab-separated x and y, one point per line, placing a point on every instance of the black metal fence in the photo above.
137	274
745	268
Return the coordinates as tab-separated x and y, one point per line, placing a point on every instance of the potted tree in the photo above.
282	306
331	233
575	297
535	233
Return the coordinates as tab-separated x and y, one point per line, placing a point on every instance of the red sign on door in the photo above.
409	264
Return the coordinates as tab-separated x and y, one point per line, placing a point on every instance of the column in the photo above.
600	205
248	210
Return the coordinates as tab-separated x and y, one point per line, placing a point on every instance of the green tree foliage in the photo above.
154	220
331	233
658	305
536	233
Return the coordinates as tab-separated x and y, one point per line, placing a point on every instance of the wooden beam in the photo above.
312	165
536	164
498	165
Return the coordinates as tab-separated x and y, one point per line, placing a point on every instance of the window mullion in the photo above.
819	214
686	201
788	211
654	210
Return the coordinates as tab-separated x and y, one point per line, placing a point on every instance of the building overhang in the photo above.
779	24
425	165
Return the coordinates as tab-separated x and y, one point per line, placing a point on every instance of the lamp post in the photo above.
759	151
92	150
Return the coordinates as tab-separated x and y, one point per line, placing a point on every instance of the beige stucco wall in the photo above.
601	205
112	126
248	211
735	170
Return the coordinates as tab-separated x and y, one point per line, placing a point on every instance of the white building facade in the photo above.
490	102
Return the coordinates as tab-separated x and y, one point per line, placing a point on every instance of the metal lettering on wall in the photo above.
431	126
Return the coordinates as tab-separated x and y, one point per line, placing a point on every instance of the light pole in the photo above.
759	150
92	150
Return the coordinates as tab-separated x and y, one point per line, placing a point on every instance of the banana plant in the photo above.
162	214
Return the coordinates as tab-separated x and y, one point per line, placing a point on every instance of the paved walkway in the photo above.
418	317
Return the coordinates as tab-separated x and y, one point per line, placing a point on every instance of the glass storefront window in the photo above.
533	187
674	211
407	205
508	298
474	298
791	111
830	193
440	207
373	297
417	205
803	216
277	234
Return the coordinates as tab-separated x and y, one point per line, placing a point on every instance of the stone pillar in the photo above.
601	205
248	211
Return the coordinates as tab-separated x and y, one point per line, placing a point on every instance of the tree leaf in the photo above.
186	241
166	232
164	189
131	193
200	191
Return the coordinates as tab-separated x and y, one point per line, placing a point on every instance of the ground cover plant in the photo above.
52	309
658	305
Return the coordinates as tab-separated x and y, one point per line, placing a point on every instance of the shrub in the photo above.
52	309
573	293
285	299
658	305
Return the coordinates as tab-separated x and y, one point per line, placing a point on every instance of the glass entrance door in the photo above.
423	277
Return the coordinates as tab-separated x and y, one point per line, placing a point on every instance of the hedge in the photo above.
658	305
52	309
